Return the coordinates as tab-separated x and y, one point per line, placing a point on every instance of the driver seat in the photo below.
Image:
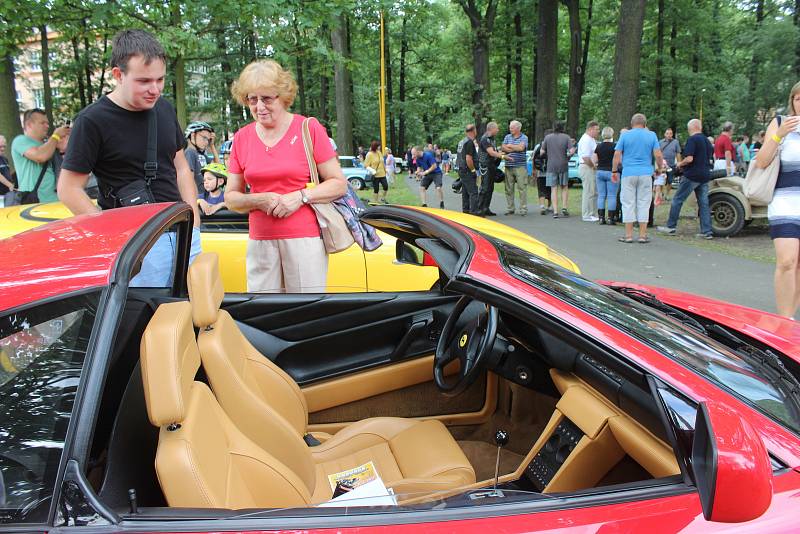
267	405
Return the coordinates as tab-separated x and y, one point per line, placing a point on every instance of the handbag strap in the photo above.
308	145
151	157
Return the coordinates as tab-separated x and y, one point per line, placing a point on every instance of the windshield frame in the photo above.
670	330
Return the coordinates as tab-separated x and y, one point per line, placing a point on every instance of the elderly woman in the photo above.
285	251
784	210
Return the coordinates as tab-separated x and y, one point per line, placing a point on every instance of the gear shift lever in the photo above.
501	440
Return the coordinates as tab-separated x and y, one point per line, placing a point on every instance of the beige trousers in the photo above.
517	176
297	265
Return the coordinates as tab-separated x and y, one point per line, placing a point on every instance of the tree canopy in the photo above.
449	62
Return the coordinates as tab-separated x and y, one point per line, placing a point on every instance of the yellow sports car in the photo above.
348	271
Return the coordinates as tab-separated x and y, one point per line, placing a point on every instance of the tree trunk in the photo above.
575	72
533	86
509	73
753	76
387	54
323	99
9	108
102	80
401	114
625	87
47	90
797	45
76	55
659	58
673	57
87	67
225	65
481	25
301	83
586	40
343	85
518	62
546	66
180	71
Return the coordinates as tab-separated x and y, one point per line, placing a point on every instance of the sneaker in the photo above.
490	213
591	218
424	205
564	212
523	213
542	210
666	230
509	212
383	201
441	205
555	215
704	236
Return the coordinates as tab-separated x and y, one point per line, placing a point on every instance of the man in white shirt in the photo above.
587	165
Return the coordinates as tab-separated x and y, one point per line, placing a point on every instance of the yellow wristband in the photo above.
776	138
56	137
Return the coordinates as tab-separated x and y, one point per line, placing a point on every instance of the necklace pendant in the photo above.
266	148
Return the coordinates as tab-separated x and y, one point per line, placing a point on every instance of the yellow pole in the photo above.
382	93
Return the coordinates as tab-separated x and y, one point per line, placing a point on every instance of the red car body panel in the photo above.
66	256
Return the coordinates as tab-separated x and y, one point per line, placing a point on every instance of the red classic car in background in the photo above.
623	407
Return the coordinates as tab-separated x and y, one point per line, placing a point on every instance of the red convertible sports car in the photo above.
514	396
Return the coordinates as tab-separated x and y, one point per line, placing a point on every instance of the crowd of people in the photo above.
130	142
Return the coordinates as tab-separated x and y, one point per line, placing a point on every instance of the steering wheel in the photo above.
466	341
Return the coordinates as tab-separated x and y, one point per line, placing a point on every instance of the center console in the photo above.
553	454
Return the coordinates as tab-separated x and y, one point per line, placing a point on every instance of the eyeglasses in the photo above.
204	137
253	100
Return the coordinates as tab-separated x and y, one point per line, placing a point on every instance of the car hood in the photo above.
506	233
17	219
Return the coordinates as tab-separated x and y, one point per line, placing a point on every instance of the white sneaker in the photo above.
591	219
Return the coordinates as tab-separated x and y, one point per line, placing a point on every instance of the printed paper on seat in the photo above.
360	486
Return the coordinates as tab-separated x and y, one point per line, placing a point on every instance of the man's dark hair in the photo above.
129	43
30	113
558	126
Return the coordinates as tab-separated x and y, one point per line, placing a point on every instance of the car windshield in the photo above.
736	372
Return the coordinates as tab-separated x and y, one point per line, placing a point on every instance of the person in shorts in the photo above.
429	172
556	147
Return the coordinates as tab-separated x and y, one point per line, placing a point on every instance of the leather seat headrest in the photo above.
170	360
205	289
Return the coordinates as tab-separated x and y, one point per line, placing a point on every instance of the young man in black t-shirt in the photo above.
109	139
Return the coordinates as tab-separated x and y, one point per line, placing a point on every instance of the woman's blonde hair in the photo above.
794	91
608	133
265	74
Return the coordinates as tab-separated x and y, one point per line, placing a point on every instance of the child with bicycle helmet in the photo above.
200	149
212	199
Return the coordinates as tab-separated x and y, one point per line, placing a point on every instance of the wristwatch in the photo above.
304	197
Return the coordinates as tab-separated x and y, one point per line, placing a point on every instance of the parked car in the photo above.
355	172
730	209
572	167
226	233
623	407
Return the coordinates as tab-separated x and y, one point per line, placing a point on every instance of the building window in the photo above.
56	91
35	60
38	98
206	97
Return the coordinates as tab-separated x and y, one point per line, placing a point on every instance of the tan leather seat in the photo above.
203	460
411	456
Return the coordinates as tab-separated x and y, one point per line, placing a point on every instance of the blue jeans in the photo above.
606	191
159	263
685	188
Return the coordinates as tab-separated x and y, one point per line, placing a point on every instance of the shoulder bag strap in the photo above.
308	145
151	157
41	175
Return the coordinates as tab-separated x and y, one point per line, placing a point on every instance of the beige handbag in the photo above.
759	184
335	233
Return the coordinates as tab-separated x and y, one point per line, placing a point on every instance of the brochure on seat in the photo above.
360	486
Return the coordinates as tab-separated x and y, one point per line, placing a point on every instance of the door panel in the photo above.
318	336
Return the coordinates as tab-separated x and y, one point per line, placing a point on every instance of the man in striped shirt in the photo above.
515	144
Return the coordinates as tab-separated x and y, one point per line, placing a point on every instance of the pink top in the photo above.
281	169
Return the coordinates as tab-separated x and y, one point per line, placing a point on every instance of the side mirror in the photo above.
731	466
405	253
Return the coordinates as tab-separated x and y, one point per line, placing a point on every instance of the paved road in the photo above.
663	262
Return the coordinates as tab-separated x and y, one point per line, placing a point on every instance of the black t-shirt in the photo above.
466	147
699	170
5	170
483	154
605	155
111	142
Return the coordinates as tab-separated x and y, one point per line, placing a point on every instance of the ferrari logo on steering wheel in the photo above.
462	341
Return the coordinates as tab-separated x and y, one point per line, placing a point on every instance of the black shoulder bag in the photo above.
138	191
15	198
